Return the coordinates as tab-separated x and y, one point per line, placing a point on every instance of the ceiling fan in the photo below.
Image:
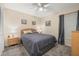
41	6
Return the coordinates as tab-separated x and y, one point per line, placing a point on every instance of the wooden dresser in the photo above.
75	43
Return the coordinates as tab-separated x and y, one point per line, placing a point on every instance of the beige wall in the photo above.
12	20
53	29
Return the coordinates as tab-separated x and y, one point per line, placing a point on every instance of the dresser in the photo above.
75	43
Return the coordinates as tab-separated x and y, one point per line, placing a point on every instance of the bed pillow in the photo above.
26	32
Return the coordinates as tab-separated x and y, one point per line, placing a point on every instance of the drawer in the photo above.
75	35
13	41
75	40
75	49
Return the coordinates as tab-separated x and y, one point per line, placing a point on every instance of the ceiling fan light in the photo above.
40	9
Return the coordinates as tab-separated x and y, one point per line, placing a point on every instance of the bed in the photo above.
36	43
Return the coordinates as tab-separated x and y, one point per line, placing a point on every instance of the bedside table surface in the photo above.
14	38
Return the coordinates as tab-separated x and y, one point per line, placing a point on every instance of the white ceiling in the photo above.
53	8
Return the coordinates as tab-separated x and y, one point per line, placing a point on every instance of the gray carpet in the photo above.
19	50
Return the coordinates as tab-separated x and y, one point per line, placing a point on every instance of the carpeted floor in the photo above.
19	50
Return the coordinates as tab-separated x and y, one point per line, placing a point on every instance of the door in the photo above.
70	22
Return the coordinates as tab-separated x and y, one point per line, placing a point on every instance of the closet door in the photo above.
70	21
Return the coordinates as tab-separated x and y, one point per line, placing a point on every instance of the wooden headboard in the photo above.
28	29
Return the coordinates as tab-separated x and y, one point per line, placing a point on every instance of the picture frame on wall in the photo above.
23	21
33	22
48	23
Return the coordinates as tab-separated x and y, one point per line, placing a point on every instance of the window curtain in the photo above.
77	27
61	30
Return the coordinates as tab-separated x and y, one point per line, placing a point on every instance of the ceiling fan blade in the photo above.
47	5
36	4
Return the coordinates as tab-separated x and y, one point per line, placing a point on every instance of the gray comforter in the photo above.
38	44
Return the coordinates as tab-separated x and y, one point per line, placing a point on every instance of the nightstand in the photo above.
13	41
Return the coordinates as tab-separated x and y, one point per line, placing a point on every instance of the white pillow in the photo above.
28	31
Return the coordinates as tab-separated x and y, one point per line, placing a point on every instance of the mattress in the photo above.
37	44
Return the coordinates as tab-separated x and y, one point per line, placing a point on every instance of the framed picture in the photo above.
33	22
23	21
48	23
